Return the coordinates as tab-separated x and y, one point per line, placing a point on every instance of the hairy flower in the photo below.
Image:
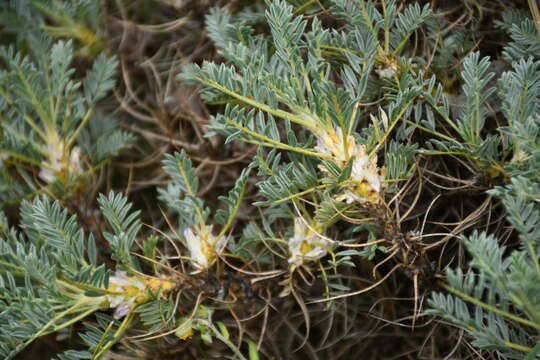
203	247
366	178
307	244
332	143
60	162
130	290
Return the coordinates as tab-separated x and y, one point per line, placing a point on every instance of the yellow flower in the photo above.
130	290
307	243
203	247
60	161
366	178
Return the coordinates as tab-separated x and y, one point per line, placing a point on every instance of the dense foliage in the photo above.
336	173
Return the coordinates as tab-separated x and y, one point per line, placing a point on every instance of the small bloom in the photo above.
366	178
332	143
59	162
307	244
386	72
203	247
130	291
185	331
387	69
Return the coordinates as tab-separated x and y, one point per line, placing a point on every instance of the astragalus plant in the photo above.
53	135
376	142
332	115
497	299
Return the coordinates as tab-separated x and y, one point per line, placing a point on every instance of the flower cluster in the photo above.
366	178
307	243
60	161
128	291
203	246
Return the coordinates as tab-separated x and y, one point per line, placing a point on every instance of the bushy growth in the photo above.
337	172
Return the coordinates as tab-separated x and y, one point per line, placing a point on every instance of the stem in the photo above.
517	346
490	307
81	126
386	28
192	193
116	336
233	213
392	126
226	341
274	143
319	187
536	14
37	104
263	107
44	330
304	6
80	287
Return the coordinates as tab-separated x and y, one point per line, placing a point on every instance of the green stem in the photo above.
35	102
77	318
117	335
82	287
192	193
302	193
226	341
45	329
517	347
263	107
274	143
432	132
304	6
387	133
233	213
81	126
490	307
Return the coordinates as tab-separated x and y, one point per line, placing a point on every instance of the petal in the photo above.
121	311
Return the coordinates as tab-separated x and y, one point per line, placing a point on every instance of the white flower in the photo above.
307	244
366	178
123	292
367	182
386	72
58	163
130	291
203	247
331	143
387	69
75	160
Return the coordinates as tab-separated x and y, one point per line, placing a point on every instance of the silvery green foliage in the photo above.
498	300
79	20
45	271
525	42
52	275
305	76
286	80
284	92
51	129
195	223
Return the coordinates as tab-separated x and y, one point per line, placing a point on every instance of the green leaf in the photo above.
253	351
